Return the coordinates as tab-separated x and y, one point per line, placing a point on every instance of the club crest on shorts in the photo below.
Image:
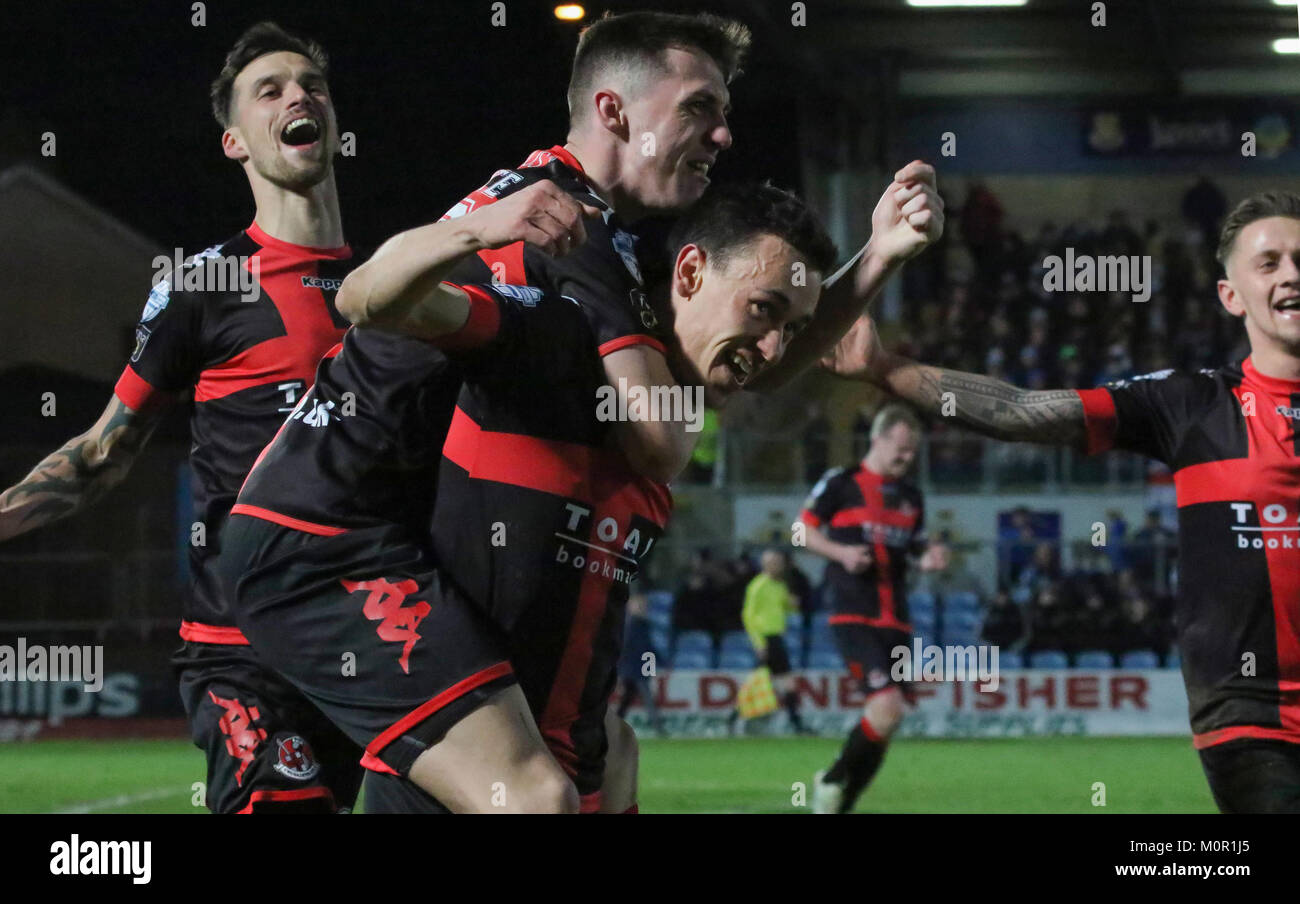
877	678
295	760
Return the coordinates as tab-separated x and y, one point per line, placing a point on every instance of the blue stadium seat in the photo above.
661	640
796	654
1174	659
1022	595
695	642
1139	659
660	601
1094	659
737	659
1010	659
961	601
960	637
820	630
824	659
1048	659
735	640
925	625
692	660
921	601
793	637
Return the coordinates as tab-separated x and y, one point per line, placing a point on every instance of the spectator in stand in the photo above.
1043	569
633	682
1116	544
1204	206
981	230
816	443
1004	623
1142	629
1154	550
1050	624
861	433
1097	625
693	606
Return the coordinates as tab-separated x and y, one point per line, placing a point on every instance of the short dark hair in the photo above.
640	38
731	217
1256	207
259	40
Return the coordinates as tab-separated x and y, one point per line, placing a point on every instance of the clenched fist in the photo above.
909	215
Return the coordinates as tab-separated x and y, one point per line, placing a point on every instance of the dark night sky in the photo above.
437	97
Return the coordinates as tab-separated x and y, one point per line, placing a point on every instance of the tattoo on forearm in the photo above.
1002	411
77	474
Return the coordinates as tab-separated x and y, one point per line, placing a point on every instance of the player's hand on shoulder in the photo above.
542	214
909	216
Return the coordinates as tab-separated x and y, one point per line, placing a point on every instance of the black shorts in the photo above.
1254	775
268	748
865	651
367	629
775	656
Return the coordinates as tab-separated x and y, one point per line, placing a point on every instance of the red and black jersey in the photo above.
541	521
859	507
244	325
365	444
1229	436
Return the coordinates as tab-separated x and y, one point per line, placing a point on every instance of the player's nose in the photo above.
720	134
772	346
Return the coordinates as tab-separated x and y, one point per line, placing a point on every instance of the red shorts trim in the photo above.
1237	732
621	342
308	527
425	710
590	803
297	794
220	634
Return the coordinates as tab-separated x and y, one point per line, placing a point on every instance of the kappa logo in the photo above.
397	623
320	282
527	295
241	737
1292	413
295	759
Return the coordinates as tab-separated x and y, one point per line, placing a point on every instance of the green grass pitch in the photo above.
750	775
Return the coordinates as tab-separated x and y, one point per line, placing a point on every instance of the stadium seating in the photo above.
919	601
1010	659
825	659
688	659
1174	660
660	601
661	639
737	659
961	601
1139	659
735	640
1049	659
1094	659
820	631
695	642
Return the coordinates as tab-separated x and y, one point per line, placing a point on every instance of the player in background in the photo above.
633	682
867	521
1229	436
247	358
768	603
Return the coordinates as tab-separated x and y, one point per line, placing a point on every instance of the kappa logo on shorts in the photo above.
295	759
399	622
241	737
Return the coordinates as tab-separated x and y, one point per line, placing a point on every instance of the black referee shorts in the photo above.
1254	775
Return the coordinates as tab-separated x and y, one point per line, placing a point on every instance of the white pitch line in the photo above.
121	800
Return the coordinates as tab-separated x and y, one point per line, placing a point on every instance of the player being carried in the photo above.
1229	436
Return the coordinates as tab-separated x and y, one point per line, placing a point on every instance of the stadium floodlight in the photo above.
1286	45
570	12
938	3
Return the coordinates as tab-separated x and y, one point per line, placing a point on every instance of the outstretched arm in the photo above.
907	219
83	470
983	404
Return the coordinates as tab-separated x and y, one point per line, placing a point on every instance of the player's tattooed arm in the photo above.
83	470
983	404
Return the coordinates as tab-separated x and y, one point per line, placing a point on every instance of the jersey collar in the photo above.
257	234
1275	385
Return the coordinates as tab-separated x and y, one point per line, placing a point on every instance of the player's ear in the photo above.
1229	298
688	270
610	113
232	144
